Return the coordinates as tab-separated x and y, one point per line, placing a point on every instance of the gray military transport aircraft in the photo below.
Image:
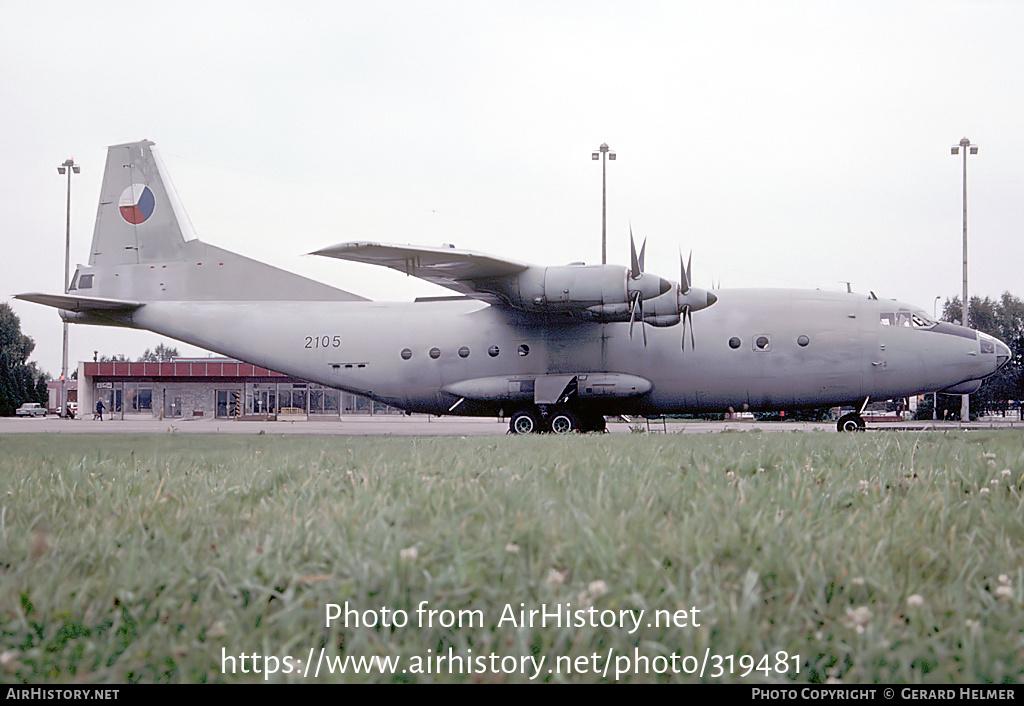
554	348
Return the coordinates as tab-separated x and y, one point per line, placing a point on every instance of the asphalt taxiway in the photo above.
422	425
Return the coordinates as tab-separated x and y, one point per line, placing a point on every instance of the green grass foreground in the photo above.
804	557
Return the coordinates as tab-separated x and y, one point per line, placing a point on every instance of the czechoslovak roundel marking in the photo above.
136	204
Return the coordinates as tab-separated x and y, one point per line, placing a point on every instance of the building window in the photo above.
138	399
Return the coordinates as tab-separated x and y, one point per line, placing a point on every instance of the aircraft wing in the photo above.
77	303
463	271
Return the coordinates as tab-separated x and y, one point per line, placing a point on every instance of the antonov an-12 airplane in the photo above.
553	348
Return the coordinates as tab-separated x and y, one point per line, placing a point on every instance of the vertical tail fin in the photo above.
140	219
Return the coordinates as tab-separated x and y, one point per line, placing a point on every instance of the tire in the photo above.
564	423
850	422
524	421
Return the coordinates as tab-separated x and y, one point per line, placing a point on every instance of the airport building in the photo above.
221	388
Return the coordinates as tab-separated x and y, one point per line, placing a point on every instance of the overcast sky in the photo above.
787	144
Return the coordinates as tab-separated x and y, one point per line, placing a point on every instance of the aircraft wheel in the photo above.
524	421
850	422
564	423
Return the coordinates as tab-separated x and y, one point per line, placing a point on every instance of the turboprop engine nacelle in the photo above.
601	293
667	309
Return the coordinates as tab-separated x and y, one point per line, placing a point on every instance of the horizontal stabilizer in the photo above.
77	303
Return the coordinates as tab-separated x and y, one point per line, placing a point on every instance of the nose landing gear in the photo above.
850	422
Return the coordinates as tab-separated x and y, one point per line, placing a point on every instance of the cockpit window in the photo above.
906	318
918	320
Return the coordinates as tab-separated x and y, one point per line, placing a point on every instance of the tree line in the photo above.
20	380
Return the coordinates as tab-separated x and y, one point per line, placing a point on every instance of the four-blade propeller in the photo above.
686	315
668	306
636	271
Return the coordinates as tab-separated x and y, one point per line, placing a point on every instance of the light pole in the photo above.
601	154
68	168
965	408
935	395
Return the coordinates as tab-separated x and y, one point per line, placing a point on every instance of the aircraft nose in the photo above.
711	299
1002	354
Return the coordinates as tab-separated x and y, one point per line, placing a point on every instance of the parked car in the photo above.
31	409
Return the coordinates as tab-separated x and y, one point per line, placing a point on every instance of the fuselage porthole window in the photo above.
406	354
802	341
493	351
464	352
524	350
435	353
735	343
762	343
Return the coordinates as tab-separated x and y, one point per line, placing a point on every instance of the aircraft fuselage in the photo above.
755	350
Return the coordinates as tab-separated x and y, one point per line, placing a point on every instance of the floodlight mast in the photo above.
68	167
965	144
601	154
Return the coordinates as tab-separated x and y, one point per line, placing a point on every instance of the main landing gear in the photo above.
558	420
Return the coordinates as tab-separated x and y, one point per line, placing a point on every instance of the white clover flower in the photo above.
555	577
512	548
1004	578
857	580
983	491
915	601
1004	592
859	617
973	627
9	661
408	554
1006	473
596	589
864	485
